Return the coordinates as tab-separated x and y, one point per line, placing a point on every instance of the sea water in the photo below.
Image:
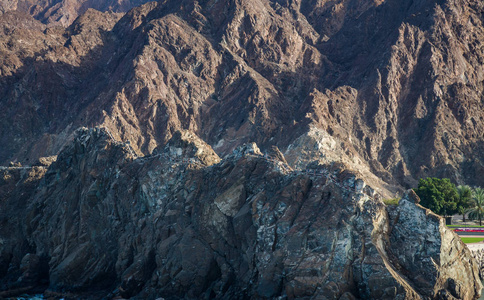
29	297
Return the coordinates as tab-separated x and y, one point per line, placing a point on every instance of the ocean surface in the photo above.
29	297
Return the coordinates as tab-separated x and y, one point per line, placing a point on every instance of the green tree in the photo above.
439	195
476	211
465	198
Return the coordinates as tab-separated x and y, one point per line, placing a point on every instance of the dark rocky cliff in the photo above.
102	223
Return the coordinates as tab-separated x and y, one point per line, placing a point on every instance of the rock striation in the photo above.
478	253
104	223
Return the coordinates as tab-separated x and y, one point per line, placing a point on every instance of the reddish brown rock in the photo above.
388	88
64	13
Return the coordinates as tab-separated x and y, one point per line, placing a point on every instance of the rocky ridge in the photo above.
104	222
65	12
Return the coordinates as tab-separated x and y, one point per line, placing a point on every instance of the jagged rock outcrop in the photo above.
110	224
478	253
186	144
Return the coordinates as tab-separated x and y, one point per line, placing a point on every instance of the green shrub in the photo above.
438	195
392	201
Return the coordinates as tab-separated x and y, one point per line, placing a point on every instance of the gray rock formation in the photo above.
110	224
479	256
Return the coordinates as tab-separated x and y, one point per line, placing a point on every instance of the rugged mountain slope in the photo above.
390	88
102	223
64	12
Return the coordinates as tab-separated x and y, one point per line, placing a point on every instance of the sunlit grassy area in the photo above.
470	240
393	201
465	226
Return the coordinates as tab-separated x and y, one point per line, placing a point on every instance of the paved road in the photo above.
471	234
475	246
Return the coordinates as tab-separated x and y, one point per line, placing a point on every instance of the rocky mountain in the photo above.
181	224
389	88
64	12
236	149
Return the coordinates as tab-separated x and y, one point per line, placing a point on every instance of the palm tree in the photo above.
465	196
477	206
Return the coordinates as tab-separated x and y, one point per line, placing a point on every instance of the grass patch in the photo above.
465	226
392	201
470	240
